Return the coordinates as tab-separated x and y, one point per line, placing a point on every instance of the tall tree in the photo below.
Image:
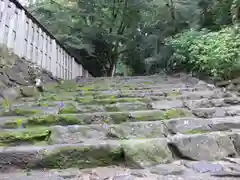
101	27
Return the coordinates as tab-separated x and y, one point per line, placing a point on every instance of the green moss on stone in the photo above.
44	120
54	120
83	157
21	112
70	108
46	104
105	97
174	93
68	86
111	109
119	117
86	88
26	135
195	131
175	113
152	116
148	82
90	100
85	100
129	87
160	115
47	120
59	97
70	120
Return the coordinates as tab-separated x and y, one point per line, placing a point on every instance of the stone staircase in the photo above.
142	128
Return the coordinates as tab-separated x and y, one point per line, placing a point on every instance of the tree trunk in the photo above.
113	70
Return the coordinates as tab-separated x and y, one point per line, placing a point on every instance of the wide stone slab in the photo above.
198	125
212	146
147	152
130	130
86	155
207	103
217	111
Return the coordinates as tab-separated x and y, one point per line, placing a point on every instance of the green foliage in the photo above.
215	54
131	34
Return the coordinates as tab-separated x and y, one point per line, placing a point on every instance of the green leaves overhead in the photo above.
134	33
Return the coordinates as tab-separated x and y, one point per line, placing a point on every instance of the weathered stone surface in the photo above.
29	91
61	156
212	146
16	77
205	167
138	130
147	152
15	71
11	93
197	125
167	104
167	169
216	112
77	134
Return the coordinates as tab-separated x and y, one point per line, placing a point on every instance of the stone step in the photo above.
134	152
142	87
142	93
207	146
113	98
87	155
216	111
184	95
201	126
130	130
207	103
74	107
178	170
165	103
137	104
97	118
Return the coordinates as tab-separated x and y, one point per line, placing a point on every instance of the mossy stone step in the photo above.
99	118
130	130
110	99
71	87
20	112
144	153
23	136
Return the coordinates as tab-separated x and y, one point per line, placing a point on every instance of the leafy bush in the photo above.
214	54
